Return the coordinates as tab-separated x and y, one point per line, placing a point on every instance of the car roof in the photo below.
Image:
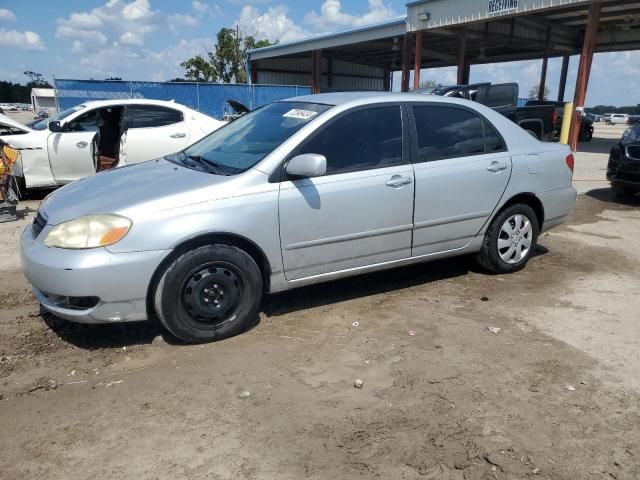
132	101
363	98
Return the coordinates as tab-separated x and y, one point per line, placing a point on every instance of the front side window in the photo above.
148	116
44	123
446	132
360	140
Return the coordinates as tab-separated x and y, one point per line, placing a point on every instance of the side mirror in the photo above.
54	126
307	165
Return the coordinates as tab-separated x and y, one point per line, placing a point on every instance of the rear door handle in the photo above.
81	144
178	135
398	181
497	167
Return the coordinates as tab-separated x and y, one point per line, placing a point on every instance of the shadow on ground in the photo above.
607	195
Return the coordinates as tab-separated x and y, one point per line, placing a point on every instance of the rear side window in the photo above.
492	141
360	140
447	132
145	116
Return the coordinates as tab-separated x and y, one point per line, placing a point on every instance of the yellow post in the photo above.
566	123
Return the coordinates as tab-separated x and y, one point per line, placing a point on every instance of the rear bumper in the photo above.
120	281
557	205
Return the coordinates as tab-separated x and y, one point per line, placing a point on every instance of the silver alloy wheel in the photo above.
514	241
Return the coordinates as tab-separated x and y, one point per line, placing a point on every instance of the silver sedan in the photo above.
298	192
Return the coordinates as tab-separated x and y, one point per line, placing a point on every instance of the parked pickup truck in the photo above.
586	125
539	120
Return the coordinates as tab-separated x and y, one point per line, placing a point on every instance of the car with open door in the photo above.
297	192
96	136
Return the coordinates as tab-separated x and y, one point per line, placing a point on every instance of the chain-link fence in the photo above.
209	98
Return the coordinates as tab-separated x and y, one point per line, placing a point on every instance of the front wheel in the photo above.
209	293
510	240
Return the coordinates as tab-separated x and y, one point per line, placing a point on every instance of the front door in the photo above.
71	152
360	212
462	168
152	131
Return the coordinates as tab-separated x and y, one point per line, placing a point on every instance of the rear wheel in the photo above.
210	293
510	240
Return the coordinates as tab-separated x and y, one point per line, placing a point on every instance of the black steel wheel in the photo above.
209	293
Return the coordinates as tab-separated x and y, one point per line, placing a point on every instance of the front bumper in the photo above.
119	280
623	171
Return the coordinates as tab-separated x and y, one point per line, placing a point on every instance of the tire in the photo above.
209	293
504	259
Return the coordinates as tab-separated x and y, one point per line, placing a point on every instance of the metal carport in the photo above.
441	33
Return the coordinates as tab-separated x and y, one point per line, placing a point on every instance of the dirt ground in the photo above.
553	395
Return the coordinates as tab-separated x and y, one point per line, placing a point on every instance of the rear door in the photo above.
71	152
360	212
152	131
461	168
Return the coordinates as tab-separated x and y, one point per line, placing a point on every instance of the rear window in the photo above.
148	116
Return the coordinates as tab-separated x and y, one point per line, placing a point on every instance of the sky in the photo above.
147	40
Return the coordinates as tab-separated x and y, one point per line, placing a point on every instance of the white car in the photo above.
617	119
96	136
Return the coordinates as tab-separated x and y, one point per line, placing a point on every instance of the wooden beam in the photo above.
417	60
563	77
545	62
316	74
462	53
590	38
406	55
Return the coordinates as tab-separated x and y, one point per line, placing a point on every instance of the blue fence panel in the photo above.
209	98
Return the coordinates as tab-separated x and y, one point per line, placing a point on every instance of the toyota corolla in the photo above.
298	192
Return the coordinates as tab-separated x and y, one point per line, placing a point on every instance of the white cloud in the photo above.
130	38
136	10
84	20
26	40
115	21
331	15
273	25
180	21
133	63
199	7
7	15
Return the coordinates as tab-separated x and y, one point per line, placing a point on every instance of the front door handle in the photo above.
497	167
398	181
178	135
81	144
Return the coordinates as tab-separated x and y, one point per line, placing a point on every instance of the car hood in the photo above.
134	191
10	122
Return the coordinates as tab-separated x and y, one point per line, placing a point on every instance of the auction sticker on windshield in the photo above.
300	114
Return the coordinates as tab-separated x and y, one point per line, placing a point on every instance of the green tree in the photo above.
227	62
37	80
533	92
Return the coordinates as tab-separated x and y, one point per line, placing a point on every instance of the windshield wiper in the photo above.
212	167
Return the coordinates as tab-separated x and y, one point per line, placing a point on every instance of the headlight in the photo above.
90	231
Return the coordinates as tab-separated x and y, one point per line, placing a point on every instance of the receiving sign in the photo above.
502	6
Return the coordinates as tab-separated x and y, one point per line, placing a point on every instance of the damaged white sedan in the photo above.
99	135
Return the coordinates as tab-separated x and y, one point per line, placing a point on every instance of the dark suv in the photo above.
623	170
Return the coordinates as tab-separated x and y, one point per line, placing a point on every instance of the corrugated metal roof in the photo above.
390	28
427	14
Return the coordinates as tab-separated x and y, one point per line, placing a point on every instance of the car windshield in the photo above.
43	124
241	144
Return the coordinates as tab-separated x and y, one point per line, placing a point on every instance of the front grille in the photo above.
633	151
39	223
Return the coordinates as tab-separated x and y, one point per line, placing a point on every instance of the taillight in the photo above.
555	118
570	161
